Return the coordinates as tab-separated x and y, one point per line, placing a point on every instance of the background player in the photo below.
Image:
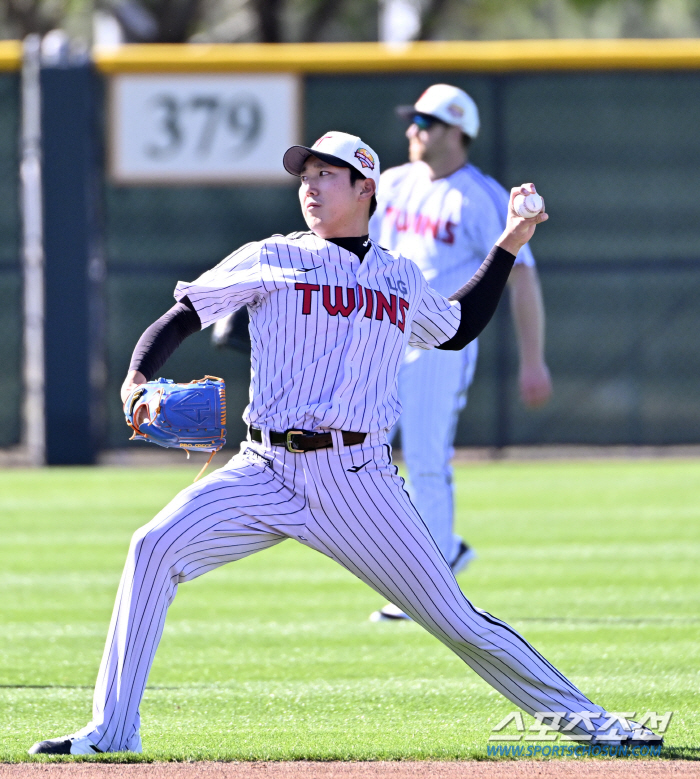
328	334
445	214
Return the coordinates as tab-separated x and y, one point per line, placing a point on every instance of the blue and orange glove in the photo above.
188	416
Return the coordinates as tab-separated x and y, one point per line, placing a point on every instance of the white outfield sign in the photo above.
202	128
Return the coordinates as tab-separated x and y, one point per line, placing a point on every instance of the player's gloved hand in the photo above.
189	416
131	382
519	229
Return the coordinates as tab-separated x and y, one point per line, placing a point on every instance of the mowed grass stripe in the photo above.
274	658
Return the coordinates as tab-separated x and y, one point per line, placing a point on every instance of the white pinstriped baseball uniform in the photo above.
328	333
446	227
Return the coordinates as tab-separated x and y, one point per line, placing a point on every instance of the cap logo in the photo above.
321	139
365	158
455	110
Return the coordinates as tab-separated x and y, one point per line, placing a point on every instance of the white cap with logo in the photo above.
450	105
335	148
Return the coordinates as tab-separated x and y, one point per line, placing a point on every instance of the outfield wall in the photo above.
609	135
607	130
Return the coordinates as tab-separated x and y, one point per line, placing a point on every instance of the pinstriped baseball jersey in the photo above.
328	331
446	226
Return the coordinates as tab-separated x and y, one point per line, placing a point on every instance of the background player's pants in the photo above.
351	506
433	390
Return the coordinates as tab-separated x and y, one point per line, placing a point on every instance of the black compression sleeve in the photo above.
479	298
161	339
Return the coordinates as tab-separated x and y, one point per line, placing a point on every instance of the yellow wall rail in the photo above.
10	55
477	56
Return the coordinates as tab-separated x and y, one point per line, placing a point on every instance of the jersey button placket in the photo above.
353	351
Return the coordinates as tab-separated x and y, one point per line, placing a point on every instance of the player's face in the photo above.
426	142
331	205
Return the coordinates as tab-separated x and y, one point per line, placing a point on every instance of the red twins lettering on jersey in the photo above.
442	230
343	301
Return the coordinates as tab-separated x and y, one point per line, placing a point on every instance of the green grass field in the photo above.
597	563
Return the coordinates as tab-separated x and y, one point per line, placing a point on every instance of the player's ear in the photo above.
368	190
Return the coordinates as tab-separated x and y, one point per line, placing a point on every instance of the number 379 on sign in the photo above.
208	128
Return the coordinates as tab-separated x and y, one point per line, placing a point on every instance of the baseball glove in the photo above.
182	416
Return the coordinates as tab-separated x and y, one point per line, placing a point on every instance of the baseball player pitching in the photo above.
445	214
331	314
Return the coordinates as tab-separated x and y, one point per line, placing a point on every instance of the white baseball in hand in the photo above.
528	205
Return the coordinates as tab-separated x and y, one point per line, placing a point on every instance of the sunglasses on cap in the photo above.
425	121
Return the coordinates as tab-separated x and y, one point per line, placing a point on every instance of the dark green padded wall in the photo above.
10	269
616	156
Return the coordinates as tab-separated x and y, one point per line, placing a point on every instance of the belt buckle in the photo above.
289	445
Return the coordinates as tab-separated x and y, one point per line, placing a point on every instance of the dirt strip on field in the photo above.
587	769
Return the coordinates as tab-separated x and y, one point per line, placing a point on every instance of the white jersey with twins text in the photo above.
328	331
446	226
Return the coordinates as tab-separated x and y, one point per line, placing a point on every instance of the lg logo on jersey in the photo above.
397	286
375	303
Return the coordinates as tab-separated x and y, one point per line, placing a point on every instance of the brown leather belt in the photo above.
304	441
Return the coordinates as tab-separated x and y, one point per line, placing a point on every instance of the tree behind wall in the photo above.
19	18
174	21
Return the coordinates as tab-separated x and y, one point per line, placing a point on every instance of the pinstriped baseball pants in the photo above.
348	503
433	390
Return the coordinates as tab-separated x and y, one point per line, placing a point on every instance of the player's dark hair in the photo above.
356	176
466	141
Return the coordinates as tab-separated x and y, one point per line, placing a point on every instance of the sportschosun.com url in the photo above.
571	750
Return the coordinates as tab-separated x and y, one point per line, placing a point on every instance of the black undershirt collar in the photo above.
357	245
